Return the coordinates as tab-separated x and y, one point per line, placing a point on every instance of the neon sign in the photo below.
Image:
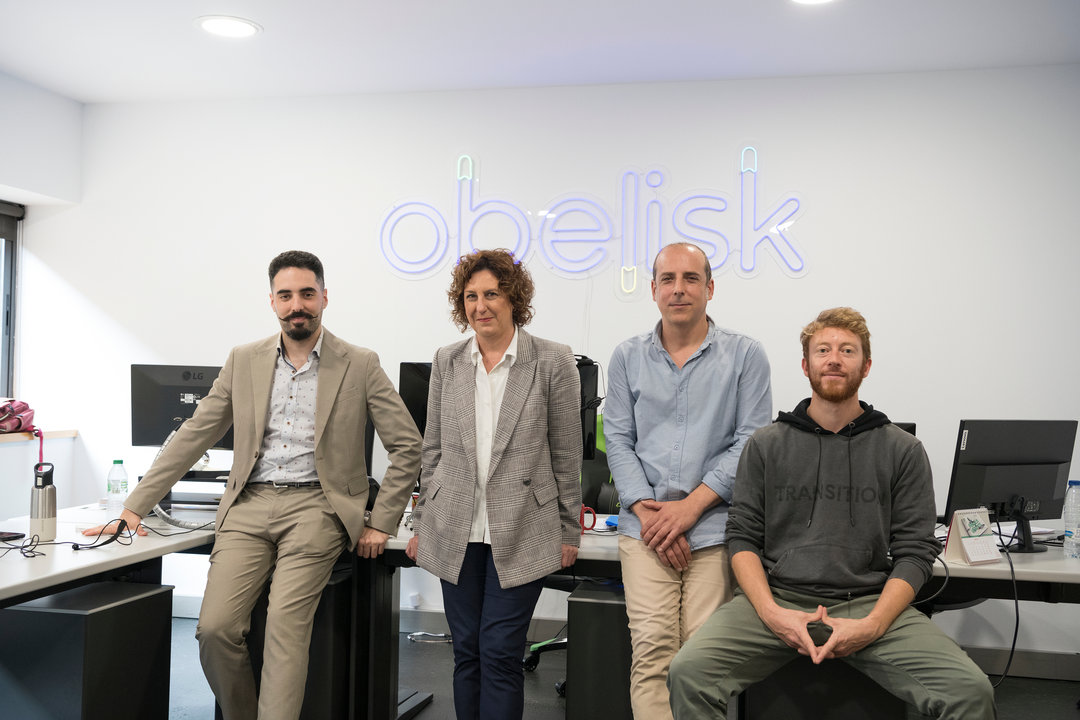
576	235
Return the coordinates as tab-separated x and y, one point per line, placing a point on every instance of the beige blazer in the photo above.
534	482
352	385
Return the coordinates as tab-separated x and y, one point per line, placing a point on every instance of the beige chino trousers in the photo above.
665	607
292	537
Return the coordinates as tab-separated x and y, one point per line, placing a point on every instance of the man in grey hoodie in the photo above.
831	534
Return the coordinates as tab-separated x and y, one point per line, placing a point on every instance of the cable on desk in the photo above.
29	547
189	528
21	546
117	536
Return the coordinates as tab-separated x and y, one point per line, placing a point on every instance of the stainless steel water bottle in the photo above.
43	503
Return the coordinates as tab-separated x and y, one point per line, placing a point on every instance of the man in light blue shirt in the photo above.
682	401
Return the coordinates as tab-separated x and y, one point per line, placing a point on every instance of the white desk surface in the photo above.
61	564
1050	566
594	546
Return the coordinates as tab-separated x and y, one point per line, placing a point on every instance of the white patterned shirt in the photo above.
288	445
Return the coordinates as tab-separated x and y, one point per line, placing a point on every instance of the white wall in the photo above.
17	461
40	141
938	204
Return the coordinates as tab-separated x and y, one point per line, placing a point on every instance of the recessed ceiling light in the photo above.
812	2
229	27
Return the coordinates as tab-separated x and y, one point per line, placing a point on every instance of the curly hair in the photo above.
514	280
844	318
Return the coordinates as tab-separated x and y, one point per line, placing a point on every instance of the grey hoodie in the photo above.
835	514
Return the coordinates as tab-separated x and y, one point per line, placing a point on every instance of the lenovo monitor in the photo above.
1017	469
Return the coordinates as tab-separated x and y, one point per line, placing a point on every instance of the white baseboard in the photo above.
186	606
435	622
1027	663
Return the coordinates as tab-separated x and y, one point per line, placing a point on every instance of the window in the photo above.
10	215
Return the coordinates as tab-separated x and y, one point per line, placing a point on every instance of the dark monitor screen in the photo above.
413	381
163	396
415	377
1016	469
908	427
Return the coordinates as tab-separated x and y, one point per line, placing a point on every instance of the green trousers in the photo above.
913	660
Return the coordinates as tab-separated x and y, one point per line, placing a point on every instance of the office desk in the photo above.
61	567
1048	577
80	633
1045	577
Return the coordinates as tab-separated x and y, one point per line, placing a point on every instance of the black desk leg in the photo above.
376	621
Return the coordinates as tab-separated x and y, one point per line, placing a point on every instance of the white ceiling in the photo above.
142	50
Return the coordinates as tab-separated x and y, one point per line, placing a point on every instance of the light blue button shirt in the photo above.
668	429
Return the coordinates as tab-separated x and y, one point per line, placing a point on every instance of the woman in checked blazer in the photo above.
500	488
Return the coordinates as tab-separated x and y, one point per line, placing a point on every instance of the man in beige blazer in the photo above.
298	403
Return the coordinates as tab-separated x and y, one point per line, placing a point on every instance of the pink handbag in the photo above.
17	416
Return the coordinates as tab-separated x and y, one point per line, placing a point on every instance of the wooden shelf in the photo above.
27	437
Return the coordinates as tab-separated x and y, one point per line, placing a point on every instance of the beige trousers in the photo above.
293	536
665	607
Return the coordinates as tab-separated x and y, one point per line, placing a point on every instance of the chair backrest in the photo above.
597	488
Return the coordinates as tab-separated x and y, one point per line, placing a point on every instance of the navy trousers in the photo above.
489	625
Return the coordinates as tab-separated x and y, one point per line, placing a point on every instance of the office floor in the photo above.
428	666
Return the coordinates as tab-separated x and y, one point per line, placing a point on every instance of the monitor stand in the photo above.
1023	529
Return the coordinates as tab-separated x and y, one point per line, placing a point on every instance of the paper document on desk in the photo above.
971	540
1008	530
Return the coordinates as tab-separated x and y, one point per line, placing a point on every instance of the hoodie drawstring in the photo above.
817	483
850	477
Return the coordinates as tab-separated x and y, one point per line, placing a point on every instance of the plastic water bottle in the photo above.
117	488
1071	514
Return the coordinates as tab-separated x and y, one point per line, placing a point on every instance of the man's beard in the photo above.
836	394
299	333
302	332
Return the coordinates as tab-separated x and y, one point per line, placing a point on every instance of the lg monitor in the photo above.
164	396
1017	469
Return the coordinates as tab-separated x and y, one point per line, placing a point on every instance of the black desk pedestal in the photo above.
326	694
377	614
96	651
597	654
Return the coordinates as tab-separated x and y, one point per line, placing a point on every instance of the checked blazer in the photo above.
534	482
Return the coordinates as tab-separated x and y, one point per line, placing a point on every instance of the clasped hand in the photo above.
663	529
848	635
